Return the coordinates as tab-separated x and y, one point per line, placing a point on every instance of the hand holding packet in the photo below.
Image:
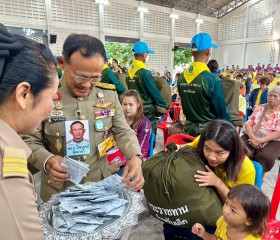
76	169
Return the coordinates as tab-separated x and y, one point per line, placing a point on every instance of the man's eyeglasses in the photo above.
80	78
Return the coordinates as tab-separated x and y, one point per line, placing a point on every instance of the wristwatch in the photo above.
141	157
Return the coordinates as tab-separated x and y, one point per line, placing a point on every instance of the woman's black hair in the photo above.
90	46
225	135
32	63
255	204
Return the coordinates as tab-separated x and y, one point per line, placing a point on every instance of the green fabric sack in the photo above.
171	192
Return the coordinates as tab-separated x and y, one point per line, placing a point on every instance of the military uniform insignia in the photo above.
56	113
99	125
105	114
14	163
103	104
57	107
106	86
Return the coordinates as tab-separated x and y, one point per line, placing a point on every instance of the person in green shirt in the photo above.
201	91
141	79
108	76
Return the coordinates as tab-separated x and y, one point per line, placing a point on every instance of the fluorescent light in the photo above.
200	21
104	2
142	9
174	16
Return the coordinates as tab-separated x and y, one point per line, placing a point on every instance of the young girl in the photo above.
133	110
220	147
244	213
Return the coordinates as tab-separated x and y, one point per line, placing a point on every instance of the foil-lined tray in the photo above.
109	230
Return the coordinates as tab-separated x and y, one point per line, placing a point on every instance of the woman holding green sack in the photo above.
221	148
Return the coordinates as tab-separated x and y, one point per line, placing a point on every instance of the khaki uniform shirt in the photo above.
19	215
44	143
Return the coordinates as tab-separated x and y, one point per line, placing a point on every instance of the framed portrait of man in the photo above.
77	138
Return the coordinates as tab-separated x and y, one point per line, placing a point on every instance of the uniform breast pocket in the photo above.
54	138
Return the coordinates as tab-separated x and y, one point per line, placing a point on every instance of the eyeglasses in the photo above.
273	95
80	78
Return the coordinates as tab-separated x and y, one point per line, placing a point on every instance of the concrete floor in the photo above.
151	228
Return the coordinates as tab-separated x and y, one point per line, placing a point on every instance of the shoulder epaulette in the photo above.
14	163
106	86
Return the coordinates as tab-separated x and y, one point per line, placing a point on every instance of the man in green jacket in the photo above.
108	76
141	79
201	91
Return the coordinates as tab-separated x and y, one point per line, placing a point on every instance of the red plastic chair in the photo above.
164	125
177	110
180	139
272	225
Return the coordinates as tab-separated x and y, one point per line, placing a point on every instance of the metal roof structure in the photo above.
209	8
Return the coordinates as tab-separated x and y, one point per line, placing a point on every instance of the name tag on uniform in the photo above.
105	146
57	119
105	113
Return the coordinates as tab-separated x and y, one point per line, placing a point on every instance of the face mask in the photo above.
147	58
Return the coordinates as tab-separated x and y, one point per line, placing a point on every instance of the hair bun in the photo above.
7	43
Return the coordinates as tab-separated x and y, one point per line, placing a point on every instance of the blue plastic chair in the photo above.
259	174
152	140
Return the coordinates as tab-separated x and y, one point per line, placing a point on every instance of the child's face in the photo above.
234	214
214	153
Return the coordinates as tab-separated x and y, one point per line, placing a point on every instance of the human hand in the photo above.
57	173
133	171
255	142
198	230
115	166
178	147
208	178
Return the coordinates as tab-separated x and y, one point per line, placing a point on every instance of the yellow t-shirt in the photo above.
258	101
273	83
221	231
246	175
242	104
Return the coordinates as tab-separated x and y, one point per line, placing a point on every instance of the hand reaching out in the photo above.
198	230
206	178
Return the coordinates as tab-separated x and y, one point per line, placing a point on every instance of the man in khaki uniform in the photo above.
81	97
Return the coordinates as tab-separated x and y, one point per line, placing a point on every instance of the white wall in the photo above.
248	34
258	53
228	55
